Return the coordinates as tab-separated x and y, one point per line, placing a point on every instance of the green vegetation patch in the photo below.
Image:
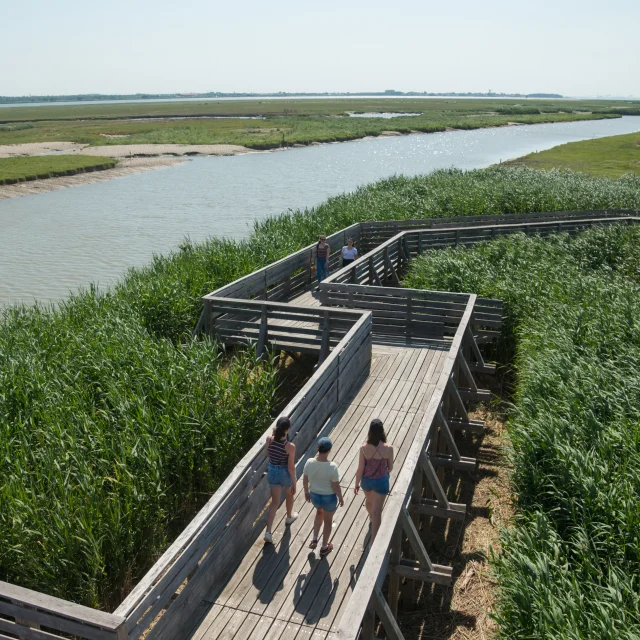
569	566
110	440
20	169
608	157
115	426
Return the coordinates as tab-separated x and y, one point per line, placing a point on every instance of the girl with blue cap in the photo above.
322	488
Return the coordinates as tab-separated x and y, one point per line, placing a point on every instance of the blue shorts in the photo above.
379	485
328	501
278	476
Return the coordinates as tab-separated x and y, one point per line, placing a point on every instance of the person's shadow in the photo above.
315	591
272	568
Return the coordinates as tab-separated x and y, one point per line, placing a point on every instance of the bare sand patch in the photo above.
133	150
125	167
38	148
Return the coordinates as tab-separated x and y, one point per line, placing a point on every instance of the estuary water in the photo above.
56	242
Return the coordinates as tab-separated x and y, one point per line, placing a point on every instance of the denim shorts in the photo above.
379	485
278	476
326	501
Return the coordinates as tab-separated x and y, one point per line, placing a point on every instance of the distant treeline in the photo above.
90	97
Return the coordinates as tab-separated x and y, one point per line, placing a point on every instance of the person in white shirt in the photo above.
322	488
349	253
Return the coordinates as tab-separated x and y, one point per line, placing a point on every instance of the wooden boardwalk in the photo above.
285	590
406	356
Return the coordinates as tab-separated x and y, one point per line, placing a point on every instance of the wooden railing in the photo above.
277	325
36	616
383	266
413	314
225	528
374	233
286	278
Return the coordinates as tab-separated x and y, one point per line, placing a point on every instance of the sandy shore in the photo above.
132	158
125	167
122	150
37	148
150	150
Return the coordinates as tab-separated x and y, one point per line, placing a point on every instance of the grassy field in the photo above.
280	122
606	157
115	426
19	169
569	566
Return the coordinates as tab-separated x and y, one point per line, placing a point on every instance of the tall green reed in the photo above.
569	566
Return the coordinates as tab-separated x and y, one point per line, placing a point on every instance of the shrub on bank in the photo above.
569	566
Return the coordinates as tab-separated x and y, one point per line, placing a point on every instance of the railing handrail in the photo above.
62	611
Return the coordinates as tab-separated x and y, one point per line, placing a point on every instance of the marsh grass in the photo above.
282	123
569	567
21	169
115	426
609	157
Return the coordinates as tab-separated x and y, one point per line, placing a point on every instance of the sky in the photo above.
586	48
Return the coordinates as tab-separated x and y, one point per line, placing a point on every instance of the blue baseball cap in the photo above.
324	445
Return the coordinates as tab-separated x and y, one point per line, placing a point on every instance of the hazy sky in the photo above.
127	46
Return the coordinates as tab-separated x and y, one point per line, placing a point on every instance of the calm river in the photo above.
53	243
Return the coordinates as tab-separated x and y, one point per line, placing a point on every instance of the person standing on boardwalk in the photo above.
375	464
281	473
349	253
323	251
322	488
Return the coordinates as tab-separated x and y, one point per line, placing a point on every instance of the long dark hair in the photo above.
376	433
282	426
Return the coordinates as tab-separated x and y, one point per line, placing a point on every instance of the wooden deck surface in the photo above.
286	590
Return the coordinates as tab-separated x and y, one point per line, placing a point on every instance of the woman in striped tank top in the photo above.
281	473
323	251
376	462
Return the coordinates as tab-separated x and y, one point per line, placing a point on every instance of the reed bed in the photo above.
115	426
110	439
569	565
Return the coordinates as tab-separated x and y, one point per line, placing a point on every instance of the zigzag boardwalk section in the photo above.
403	355
286	590
290	591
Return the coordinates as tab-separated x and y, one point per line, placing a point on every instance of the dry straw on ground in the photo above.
462	611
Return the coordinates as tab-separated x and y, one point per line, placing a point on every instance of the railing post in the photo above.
369	622
386	264
263	336
419	242
371	272
287	287
394	561
324	346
